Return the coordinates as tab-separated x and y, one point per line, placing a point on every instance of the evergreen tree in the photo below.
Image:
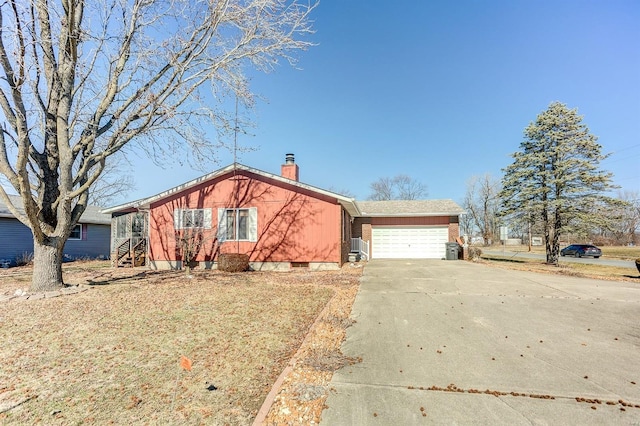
555	177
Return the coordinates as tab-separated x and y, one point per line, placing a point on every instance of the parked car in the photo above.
581	250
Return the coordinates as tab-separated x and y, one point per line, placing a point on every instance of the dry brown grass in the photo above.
608	252
111	354
597	271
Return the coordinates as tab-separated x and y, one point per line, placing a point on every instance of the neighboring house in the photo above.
275	219
89	239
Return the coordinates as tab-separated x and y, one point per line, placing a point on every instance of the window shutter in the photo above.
83	232
207	219
222	225
177	219
253	224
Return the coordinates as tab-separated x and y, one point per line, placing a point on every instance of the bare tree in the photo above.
189	242
113	184
481	202
630	223
382	190
82	80
622	222
409	188
342	191
400	187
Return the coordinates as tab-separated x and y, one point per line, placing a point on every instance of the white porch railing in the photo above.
361	247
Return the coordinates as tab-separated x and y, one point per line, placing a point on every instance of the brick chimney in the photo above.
290	169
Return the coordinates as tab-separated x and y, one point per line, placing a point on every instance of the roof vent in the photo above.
289	159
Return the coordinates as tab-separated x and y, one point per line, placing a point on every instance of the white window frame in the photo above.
252	224
78	225
179	221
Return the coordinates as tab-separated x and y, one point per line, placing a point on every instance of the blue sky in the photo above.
440	91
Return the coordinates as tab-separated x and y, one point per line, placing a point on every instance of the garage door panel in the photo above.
409	242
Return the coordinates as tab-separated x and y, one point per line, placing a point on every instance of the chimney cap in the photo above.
289	159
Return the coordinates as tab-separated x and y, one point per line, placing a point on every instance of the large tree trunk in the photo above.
552	246
47	265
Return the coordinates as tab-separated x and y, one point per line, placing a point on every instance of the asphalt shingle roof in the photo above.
91	214
410	208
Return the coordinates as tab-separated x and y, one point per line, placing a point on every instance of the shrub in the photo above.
24	259
233	262
474	253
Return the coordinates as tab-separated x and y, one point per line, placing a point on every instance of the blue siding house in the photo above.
91	238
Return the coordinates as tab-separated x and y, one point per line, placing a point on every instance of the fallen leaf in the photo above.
185	363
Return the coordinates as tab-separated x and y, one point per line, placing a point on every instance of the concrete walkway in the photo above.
452	342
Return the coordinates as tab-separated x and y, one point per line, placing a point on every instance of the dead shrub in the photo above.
24	259
474	253
322	359
233	262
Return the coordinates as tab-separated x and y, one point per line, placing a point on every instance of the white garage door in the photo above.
409	242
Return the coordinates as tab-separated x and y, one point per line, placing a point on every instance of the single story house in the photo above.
89	239
277	220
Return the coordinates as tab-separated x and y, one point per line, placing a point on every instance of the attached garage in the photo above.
415	242
407	229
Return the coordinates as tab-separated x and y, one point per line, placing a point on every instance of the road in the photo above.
568	259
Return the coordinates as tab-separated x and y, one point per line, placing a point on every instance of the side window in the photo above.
192	218
76	233
238	224
243	224
231	225
121	226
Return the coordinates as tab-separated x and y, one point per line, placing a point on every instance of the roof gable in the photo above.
144	203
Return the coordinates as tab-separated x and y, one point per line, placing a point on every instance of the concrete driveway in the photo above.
452	342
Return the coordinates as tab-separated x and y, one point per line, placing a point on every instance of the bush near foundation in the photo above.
233	262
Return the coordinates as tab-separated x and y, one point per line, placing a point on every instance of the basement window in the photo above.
295	265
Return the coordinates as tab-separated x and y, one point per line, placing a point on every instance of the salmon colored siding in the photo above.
410	221
293	225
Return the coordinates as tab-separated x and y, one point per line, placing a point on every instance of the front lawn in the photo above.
111	354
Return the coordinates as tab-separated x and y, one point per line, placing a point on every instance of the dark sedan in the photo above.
581	250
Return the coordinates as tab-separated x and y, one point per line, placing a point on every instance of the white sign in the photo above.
504	232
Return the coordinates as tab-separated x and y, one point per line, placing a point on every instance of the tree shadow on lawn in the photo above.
506	260
116	280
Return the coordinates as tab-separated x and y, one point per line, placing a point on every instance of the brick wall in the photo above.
454	231
361	228
346	248
358	226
